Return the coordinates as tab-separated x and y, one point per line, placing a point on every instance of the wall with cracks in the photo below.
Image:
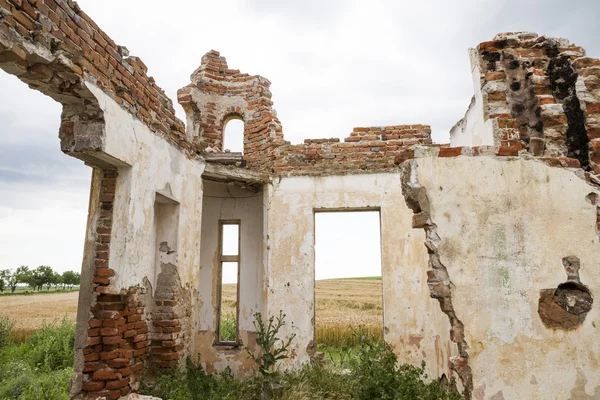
140	263
514	236
413	322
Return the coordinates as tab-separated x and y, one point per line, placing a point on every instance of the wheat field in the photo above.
342	305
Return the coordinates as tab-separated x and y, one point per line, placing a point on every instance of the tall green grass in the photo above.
41	367
228	328
369	371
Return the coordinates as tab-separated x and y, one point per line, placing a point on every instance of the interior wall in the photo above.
504	233
413	322
229	202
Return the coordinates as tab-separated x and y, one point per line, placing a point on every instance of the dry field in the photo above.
342	305
29	312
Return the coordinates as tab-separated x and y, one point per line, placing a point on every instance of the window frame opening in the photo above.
224	140
380	247
224	259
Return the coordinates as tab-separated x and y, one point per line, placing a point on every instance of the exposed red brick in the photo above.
93	386
104	375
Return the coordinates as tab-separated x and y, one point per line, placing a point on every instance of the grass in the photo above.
228	327
25	291
367	372
41	367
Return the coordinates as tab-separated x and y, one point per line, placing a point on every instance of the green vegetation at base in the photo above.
39	369
369	371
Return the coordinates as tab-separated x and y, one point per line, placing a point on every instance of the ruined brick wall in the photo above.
55	47
218	94
117	344
366	149
542	97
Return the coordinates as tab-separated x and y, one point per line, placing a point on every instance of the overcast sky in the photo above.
333	65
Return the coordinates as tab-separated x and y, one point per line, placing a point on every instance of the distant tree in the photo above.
36	279
21	275
4	274
57	280
70	278
46	275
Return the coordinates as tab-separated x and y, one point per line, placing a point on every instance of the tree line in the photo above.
37	279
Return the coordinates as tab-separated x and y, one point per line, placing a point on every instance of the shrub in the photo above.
41	368
51	348
266	338
369	371
195	384
376	375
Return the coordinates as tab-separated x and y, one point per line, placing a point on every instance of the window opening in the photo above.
233	136
229	263
348	282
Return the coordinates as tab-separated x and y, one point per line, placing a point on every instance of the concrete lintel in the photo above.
232	173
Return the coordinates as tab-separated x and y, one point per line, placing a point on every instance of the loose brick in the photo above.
104	375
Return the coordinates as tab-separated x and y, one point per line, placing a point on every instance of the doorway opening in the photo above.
348	285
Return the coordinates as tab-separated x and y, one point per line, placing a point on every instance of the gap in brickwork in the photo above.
348	278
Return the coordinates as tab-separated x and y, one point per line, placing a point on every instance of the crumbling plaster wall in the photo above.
146	165
504	232
228	202
413	322
151	166
474	129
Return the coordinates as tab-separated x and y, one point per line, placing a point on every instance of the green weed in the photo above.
40	368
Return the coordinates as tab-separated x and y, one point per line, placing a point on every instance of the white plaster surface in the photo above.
156	167
413	321
505	226
474	129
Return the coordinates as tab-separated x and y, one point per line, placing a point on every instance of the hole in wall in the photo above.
348	285
233	136
566	306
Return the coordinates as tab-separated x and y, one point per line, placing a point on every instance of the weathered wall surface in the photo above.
474	129
152	166
412	320
227	202
138	307
504	233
